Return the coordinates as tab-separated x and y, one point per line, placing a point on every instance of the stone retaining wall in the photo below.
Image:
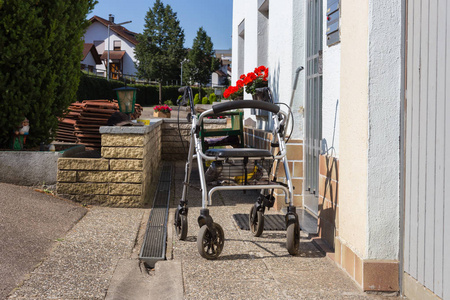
123	176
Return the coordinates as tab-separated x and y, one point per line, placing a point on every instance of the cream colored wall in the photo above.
353	125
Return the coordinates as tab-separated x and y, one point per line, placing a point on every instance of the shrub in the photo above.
41	45
205	100
168	102
212	98
196	99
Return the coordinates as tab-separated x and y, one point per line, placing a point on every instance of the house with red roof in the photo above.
121	47
90	59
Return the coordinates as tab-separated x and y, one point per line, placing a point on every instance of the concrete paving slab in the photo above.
82	264
31	223
254	267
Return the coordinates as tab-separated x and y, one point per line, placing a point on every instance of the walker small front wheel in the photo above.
209	247
293	238
181	226
256	224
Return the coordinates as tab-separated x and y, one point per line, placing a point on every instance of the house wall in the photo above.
367	244
353	118
285	49
89	60
330	93
98	31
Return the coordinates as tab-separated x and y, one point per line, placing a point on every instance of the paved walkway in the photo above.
31	223
98	259
254	268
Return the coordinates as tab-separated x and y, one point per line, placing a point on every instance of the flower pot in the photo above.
160	114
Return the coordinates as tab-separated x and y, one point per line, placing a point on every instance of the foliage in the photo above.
160	49
251	81
162	108
212	98
201	62
41	45
168	102
205	100
196	99
92	87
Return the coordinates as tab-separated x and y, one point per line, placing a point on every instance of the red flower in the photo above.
242	76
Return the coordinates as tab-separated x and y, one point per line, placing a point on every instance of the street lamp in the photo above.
184	60
110	25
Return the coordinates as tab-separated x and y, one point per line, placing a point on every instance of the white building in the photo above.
370	151
220	76
121	45
91	58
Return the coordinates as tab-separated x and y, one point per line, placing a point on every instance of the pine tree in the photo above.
160	49
201	61
41	44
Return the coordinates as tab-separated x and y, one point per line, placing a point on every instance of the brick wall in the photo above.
122	177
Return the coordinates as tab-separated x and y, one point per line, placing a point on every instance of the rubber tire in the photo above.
293	238
205	245
181	226
258	228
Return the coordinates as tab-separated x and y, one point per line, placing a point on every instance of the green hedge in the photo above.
92	87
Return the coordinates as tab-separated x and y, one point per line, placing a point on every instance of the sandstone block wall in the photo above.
122	177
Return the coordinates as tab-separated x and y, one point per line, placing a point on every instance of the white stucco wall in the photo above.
285	51
97	31
369	161
330	93
89	60
353	118
385	86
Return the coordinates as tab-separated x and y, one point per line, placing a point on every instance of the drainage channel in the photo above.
154	245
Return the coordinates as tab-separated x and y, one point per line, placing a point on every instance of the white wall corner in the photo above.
385	90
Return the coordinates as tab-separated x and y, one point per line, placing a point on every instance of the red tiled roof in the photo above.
120	30
220	73
89	47
113	54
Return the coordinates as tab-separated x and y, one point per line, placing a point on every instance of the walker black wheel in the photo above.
293	238
181	225
256	225
209	247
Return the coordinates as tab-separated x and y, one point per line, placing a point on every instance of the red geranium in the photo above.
251	81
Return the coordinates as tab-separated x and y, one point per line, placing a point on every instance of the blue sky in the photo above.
214	15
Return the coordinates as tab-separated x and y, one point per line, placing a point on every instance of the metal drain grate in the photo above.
271	222
154	245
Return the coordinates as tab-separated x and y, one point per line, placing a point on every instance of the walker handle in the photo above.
218	108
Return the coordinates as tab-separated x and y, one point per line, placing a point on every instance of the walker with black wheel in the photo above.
236	169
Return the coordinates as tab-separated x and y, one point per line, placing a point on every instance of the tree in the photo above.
41	42
160	49
201	61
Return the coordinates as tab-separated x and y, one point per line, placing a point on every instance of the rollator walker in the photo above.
236	169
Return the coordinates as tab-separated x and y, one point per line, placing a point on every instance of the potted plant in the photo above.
161	111
250	82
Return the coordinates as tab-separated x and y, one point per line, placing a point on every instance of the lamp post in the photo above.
110	25
184	60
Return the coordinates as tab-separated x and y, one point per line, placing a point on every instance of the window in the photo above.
117	45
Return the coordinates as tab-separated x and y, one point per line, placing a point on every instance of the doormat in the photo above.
271	222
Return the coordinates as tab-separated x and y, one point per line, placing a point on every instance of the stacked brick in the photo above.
81	124
121	178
